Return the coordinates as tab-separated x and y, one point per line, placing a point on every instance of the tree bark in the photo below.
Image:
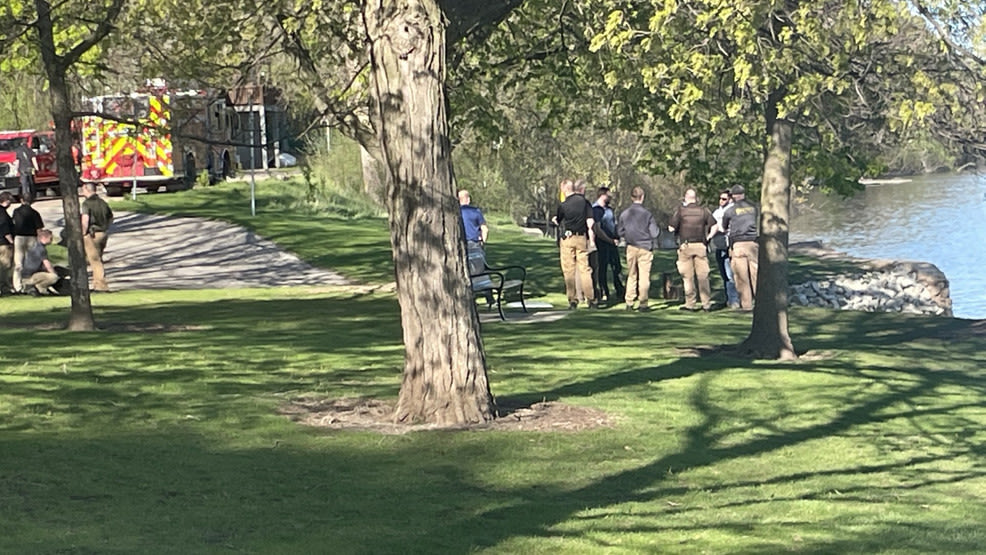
444	380
769	336
80	315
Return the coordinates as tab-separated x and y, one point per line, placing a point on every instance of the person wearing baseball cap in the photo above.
740	223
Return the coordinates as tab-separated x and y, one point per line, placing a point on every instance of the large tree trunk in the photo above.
445	379
769	336
80	316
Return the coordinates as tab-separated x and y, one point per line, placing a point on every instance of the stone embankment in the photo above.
878	286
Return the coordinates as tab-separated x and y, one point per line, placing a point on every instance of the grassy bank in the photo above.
161	433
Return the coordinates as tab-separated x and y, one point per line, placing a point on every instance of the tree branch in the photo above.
106	25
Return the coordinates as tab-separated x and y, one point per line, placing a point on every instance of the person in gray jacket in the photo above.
638	227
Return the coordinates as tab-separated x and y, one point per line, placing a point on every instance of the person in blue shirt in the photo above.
472	219
476	231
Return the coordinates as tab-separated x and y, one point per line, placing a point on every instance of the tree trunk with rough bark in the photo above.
769	336
80	315
444	380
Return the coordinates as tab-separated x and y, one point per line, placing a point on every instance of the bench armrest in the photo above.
503	270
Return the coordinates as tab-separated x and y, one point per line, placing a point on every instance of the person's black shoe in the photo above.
34	292
643	308
629	308
573	306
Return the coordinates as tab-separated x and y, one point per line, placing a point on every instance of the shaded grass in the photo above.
168	441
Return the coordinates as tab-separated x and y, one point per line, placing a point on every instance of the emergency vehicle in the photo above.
43	145
177	135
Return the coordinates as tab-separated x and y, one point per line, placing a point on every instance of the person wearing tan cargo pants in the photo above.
574	219
692	222
6	244
97	217
741	221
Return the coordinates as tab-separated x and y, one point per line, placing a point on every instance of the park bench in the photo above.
496	280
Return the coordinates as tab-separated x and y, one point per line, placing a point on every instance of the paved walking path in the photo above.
149	251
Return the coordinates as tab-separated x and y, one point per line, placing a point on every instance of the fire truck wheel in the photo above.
114	191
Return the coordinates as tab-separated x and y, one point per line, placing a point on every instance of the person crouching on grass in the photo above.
37	270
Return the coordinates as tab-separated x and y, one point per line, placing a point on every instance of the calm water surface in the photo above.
937	219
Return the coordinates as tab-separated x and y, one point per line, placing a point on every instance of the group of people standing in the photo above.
589	236
24	264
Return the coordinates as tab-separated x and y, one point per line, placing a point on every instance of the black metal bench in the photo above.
495	280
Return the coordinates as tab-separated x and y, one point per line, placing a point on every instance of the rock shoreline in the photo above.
878	286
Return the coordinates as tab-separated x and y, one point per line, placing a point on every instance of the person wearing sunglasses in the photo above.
720	243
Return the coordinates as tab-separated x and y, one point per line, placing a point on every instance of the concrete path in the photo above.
147	251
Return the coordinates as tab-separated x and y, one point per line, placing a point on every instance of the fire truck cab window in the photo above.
11	144
42	143
125	107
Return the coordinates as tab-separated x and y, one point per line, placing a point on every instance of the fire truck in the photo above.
43	145
156	137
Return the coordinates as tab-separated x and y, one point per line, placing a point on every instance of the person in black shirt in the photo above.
6	244
27	223
740	222
575	222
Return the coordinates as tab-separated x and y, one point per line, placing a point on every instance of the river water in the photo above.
939	219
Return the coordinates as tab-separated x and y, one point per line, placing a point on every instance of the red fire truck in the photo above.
157	137
43	145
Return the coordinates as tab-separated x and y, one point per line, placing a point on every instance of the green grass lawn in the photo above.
160	434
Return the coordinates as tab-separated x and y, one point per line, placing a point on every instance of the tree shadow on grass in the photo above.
428	493
704	447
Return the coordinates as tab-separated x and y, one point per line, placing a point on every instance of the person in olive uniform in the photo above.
96	220
574	218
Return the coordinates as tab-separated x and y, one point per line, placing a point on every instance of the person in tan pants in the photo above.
27	224
741	221
638	227
6	245
574	218
692	223
96	220
38	274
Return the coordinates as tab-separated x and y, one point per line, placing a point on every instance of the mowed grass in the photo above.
161	434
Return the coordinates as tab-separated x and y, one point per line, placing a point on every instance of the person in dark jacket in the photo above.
638	227
27	165
740	222
607	239
692	223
